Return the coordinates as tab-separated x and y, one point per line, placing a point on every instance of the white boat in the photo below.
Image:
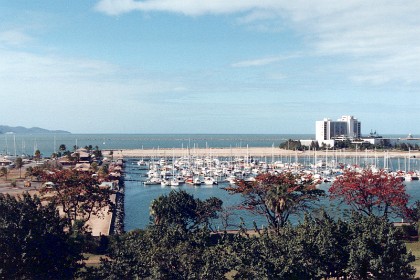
165	183
197	182
408	178
142	164
174	183
153	181
231	179
210	181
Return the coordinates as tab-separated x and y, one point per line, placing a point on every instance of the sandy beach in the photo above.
255	152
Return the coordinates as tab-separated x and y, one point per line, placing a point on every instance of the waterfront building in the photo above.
345	128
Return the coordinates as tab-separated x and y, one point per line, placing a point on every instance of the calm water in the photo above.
138	198
48	143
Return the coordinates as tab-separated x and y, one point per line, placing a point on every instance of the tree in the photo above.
76	157
277	196
314	249
371	193
413	215
103	170
163	253
181	209
62	148
376	250
292	145
19	164
177	246
78	193
94	166
97	153
4	171
37	155
36	171
365	247
33	242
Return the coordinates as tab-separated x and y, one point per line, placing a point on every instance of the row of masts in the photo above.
190	166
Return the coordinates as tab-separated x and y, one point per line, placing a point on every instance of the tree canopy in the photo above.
371	193
277	196
179	208
33	243
78	193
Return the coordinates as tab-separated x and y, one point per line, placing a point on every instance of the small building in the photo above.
5	162
111	185
82	167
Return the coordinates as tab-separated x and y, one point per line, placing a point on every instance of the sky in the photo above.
209	66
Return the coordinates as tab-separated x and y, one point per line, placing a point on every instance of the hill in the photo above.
24	130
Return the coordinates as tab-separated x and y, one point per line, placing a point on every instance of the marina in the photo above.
148	177
204	165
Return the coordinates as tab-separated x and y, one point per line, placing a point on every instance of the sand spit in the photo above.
255	152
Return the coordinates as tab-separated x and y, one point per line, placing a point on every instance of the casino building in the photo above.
345	128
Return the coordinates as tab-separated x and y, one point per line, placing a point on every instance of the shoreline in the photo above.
255	152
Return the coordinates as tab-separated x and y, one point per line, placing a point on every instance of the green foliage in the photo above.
277	197
19	164
376	250
4	171
317	248
180	209
37	155
292	145
321	248
62	148
163	253
33	243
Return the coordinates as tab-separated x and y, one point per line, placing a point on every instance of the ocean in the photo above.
48	143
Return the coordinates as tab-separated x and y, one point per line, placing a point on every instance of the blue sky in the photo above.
191	66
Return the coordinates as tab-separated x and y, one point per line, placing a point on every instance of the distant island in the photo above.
4	129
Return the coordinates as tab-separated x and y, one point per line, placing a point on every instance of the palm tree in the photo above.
62	148
37	155
29	171
4	171
19	164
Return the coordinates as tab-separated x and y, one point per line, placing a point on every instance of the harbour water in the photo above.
139	196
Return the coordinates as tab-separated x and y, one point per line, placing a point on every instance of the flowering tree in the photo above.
77	192
378	193
277	196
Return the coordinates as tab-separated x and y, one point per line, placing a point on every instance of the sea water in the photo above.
138	198
49	143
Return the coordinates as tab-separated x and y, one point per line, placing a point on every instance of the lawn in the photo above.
414	247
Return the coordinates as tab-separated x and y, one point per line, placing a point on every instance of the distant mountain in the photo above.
24	130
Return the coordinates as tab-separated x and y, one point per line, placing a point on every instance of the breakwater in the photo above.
117	223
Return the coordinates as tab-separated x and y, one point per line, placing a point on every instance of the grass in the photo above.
93	260
414	247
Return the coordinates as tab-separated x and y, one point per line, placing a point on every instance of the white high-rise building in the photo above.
345	128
